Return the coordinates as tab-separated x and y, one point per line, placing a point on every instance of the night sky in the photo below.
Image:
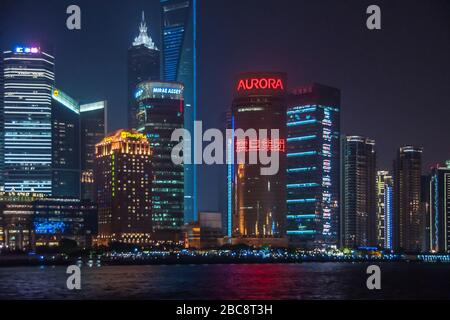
395	82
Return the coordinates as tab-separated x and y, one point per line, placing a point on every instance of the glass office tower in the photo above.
160	106
313	166
179	64
28	79
143	64
93	130
65	145
439	219
358	219
258	200
76	129
407	199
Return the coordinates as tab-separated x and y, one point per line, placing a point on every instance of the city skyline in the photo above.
224	153
364	88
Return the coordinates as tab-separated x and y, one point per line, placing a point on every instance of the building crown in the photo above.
143	38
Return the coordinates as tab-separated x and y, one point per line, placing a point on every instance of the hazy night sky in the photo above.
395	82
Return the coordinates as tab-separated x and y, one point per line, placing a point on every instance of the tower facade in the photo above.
93	126
384	209
65	145
179	20
407	198
259	201
313	166
123	179
359	195
160	106
143	65
26	151
439	219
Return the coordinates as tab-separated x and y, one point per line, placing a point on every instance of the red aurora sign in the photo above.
260	84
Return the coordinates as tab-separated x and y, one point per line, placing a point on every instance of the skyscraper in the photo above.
93	117
26	151
65	145
439	219
123	177
313	166
259	201
180	64
358	198
407	192
384	209
76	130
143	64
160	112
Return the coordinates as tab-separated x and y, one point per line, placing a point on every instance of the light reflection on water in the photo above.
229	281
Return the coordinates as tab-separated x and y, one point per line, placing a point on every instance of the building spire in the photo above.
143	38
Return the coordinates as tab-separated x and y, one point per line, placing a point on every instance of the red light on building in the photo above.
260	84
252	145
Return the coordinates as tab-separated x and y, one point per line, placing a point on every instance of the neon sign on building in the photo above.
265	83
27	50
250	145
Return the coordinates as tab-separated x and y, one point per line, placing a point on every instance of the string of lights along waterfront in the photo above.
65	176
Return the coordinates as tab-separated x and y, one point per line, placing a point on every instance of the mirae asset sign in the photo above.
167	90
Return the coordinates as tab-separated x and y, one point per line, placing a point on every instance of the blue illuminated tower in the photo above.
26	157
313	166
179	64
439	220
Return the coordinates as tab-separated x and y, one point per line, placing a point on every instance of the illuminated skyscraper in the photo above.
179	64
358	201
123	178
65	146
143	64
93	117
160	106
76	130
384	209
407	198
313	166
425	226
259	201
26	150
439	218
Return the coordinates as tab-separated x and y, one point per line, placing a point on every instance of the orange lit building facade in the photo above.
259	201
123	183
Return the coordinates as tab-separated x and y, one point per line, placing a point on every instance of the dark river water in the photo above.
230	281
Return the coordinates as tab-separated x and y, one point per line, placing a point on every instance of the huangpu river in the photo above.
326	280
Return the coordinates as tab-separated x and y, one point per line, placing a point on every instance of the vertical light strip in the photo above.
194	18
445	197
